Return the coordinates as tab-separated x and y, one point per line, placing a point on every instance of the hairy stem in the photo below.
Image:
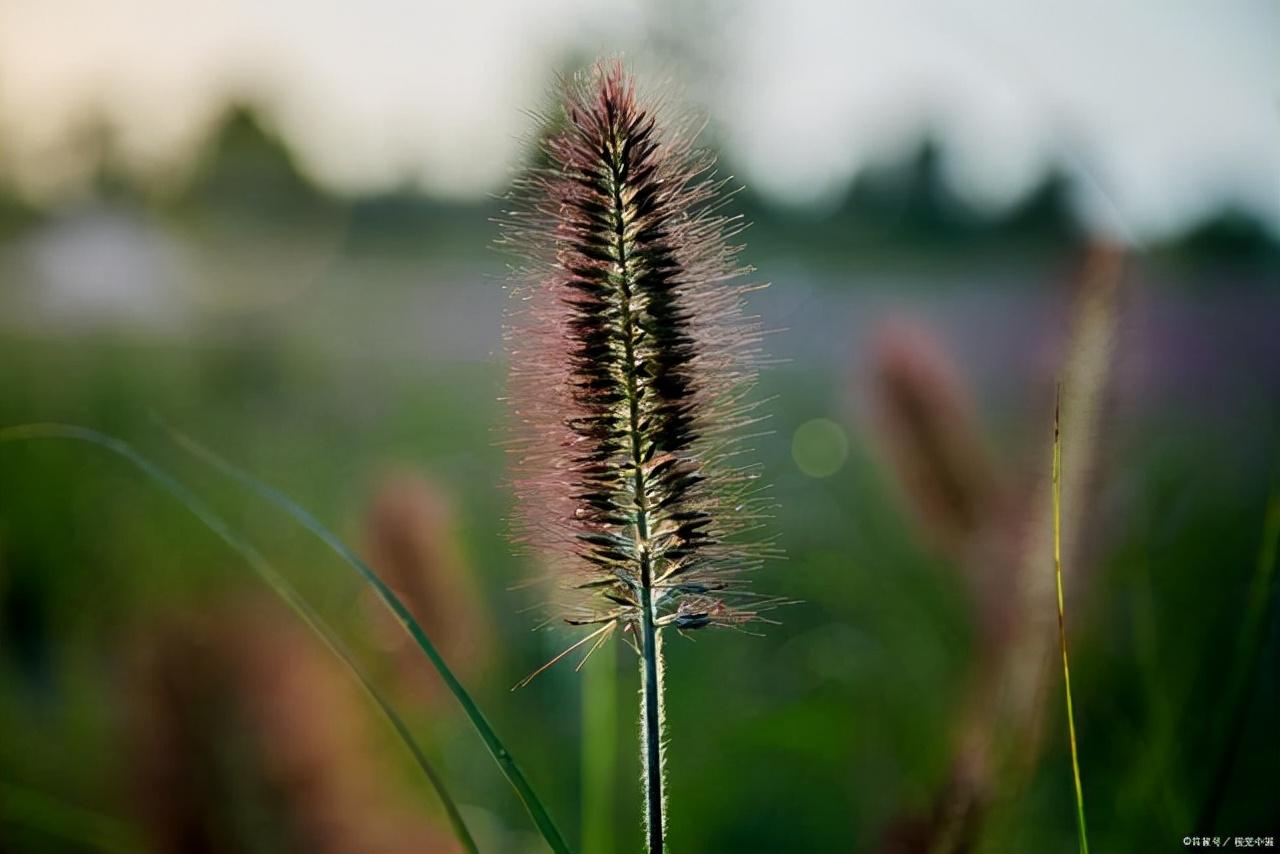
651	730
651	690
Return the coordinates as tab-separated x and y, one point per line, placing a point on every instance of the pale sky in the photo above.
1167	107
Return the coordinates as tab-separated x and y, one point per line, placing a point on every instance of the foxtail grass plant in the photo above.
631	357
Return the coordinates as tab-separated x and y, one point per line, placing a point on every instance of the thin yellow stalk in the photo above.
1062	624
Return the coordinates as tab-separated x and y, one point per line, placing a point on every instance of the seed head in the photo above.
631	356
412	540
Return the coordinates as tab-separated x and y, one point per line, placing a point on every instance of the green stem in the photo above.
651	730
651	715
1062	630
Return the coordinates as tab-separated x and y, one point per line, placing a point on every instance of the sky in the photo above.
1166	109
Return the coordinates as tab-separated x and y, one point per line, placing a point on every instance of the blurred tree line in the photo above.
246	175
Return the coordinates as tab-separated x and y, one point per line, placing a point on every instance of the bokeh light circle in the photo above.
820	447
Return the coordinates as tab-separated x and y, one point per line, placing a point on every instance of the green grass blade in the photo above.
1062	626
267	573
541	818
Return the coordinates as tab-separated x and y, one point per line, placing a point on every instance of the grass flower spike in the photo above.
631	357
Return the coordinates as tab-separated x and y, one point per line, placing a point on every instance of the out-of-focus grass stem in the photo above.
1253	636
599	746
1062	625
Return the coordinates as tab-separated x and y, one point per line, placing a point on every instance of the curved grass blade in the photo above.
268	574
1062	625
506	762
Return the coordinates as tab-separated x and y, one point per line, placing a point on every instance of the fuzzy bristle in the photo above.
630	356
